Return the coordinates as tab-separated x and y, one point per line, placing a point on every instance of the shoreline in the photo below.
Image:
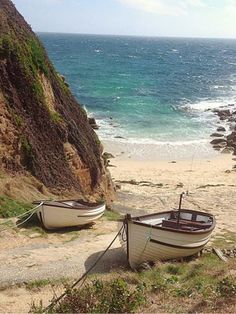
165	152
223	139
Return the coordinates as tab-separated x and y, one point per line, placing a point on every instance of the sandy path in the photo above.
55	257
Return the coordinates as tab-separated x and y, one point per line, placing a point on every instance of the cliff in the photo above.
43	130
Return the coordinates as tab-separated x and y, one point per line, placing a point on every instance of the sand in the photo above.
155	185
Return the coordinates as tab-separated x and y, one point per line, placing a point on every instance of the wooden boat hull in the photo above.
148	241
56	216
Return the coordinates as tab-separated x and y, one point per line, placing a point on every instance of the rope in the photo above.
54	302
148	239
32	211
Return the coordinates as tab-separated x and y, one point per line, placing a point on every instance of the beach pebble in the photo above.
34	235
31	264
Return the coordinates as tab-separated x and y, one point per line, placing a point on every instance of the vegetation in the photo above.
111	215
37	284
38	56
202	285
55	117
11	208
31	59
17	119
26	147
114	296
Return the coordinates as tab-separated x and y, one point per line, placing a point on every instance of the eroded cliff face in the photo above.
43	130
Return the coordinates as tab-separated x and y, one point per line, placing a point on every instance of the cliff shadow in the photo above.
114	259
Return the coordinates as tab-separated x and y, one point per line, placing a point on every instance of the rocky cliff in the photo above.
43	130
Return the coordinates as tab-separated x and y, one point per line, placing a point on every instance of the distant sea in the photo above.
148	90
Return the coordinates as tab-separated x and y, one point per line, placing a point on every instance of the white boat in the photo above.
68	213
167	235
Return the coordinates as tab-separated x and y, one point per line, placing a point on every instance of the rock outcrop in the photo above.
227	142
43	130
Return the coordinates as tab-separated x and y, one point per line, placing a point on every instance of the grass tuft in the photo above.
11	208
111	215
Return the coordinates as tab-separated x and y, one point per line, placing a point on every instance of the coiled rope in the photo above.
31	211
54	302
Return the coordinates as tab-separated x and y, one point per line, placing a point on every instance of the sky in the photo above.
175	18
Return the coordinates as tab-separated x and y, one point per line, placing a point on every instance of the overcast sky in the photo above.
186	18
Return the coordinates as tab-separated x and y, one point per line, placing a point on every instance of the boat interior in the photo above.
189	221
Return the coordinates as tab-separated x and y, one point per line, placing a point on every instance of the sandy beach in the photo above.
146	186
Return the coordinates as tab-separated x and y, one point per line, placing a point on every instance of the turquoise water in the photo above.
148	90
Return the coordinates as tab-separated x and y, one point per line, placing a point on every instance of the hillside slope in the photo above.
43	130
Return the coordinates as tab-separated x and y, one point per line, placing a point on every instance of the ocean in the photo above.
145	90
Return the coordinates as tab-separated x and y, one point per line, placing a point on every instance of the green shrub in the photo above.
38	56
10	208
55	117
25	146
115	296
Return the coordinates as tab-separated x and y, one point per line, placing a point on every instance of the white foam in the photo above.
165	151
205	105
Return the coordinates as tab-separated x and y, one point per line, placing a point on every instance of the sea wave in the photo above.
112	131
206	105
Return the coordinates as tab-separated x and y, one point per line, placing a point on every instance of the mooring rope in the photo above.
54	302
32	211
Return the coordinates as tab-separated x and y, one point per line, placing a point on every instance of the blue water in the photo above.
147	89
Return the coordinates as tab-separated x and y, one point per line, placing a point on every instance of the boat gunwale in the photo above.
133	220
67	206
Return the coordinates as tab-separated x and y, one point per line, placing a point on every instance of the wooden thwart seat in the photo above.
185	225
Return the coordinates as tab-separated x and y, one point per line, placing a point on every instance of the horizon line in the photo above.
140	36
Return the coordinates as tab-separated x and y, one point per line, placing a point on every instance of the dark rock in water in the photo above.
231	139
227	150
95	126
220	145
93	123
221	129
216	147
218	141
119	137
217	135
231	119
107	155
222	113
